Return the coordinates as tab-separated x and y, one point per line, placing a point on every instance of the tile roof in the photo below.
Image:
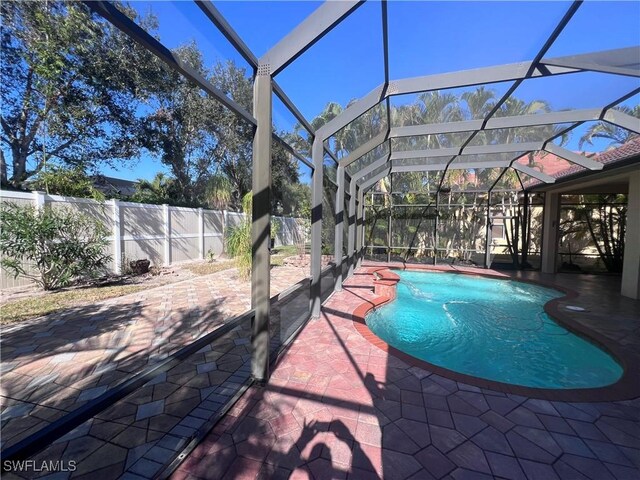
628	150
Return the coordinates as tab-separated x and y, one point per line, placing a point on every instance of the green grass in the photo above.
209	267
278	254
20	310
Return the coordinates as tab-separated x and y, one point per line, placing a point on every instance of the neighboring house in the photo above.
114	187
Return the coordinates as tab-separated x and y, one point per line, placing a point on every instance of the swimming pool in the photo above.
491	329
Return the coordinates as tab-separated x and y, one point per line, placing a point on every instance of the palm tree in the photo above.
479	102
300	138
219	193
616	135
159	190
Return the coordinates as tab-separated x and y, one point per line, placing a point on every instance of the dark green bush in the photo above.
52	247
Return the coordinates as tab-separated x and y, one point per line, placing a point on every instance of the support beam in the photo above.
473	150
454	166
550	230
436	230
352	112
533	68
360	228
369	183
260	229
621	61
291	150
213	14
284	98
331	154
307	33
316	225
464	78
487	240
631	262
209	9
533	173
389	220
339	228
621	119
123	23
573	157
435	128
351	237
371	167
384	168
364	149
533	120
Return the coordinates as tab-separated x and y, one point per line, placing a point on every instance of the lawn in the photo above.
20	310
278	254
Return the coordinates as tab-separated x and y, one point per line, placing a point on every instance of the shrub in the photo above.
72	182
239	240
52	247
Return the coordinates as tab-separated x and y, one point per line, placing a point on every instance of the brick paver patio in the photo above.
55	364
339	407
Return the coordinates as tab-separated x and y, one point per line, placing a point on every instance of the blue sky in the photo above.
424	38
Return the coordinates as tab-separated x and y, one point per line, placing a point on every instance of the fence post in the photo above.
225	228
117	238
38	199
167	235
201	231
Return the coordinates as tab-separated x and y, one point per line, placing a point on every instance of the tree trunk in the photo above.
3	170
526	232
19	161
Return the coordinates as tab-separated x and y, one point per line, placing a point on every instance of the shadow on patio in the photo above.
54	366
338	407
143	429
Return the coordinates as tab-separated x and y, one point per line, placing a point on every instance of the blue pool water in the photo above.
492	329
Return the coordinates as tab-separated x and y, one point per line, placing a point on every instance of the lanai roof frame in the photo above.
311	30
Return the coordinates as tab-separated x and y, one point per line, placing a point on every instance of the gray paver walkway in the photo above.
55	364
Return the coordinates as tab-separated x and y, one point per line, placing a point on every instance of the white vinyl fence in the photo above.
163	234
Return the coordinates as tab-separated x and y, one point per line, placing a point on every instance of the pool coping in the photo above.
626	388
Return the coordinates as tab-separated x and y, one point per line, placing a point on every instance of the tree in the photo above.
162	189
233	147
177	127
347	138
195	135
71	86
607	222
615	135
218	192
71	182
